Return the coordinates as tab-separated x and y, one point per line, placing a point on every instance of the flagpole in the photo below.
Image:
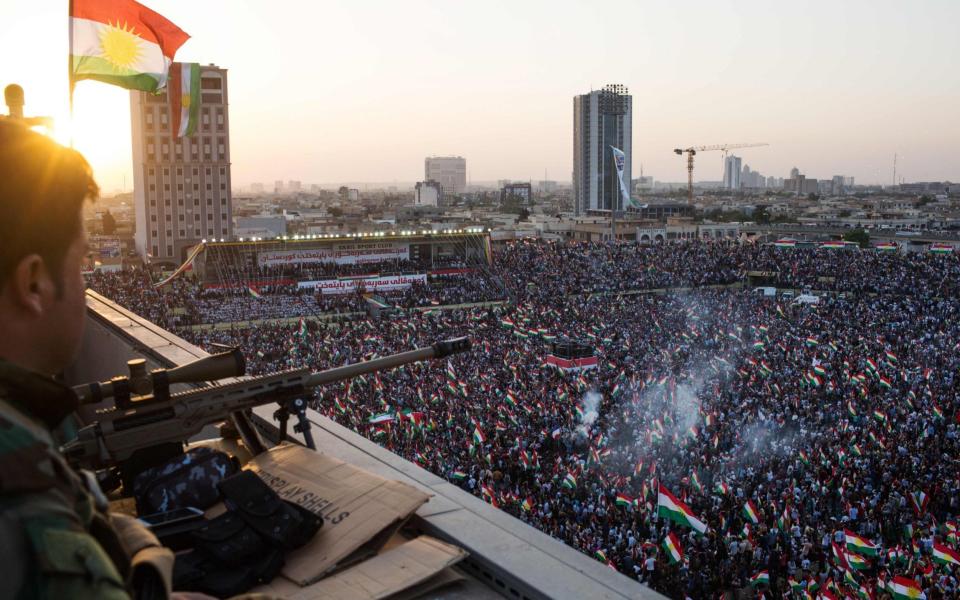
613	207
70	65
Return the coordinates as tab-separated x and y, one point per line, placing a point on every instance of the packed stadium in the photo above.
706	436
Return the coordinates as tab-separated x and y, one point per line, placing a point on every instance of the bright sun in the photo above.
120	45
100	130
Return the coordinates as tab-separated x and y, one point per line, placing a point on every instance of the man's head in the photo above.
42	245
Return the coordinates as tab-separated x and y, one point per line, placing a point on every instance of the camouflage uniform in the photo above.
56	539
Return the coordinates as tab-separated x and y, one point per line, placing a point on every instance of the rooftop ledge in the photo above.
507	556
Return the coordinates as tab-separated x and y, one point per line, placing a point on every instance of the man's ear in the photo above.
30	285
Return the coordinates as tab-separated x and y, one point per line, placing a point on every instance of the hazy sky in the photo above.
330	91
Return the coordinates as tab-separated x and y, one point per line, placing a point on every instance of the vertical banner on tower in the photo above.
618	159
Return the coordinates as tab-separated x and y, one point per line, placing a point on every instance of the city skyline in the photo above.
836	89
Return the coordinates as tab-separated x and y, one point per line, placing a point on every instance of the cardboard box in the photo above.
410	569
360	510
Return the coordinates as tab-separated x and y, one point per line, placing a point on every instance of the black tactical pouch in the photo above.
228	540
189	480
282	524
244	546
195	571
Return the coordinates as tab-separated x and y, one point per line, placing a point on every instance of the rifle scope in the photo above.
158	381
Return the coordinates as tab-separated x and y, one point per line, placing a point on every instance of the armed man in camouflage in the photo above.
56	538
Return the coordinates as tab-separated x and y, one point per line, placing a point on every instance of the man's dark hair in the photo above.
42	187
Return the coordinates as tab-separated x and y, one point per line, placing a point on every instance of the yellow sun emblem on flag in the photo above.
120	45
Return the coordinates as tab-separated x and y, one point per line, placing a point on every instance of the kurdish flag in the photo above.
750	512
569	481
624	500
184	93
478	437
672	508
672	545
761	578
944	555
904	588
121	42
857	563
860	545
381	418
254	292
527	506
795	585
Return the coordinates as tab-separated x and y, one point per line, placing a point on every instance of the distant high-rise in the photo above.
449	171
601	119
181	185
837	187
731	172
428	193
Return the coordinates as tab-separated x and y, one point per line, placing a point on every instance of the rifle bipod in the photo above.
297	406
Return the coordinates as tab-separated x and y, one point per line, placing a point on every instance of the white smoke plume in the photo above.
590	408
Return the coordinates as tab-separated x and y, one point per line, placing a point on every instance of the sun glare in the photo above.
100	130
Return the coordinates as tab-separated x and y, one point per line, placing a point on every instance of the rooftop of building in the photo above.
507	557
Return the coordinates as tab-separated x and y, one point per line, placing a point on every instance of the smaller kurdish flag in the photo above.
860	545
569	481
904	588
624	500
920	500
761	578
527	506
670	507
750	512
944	555
184	94
381	418
857	563
672	545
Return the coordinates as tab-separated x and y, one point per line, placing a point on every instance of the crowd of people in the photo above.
185	302
817	443
567	268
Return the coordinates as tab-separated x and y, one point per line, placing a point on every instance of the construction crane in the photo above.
692	151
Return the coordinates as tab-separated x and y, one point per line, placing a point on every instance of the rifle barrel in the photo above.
437	350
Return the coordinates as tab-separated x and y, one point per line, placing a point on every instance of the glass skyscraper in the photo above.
601	119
